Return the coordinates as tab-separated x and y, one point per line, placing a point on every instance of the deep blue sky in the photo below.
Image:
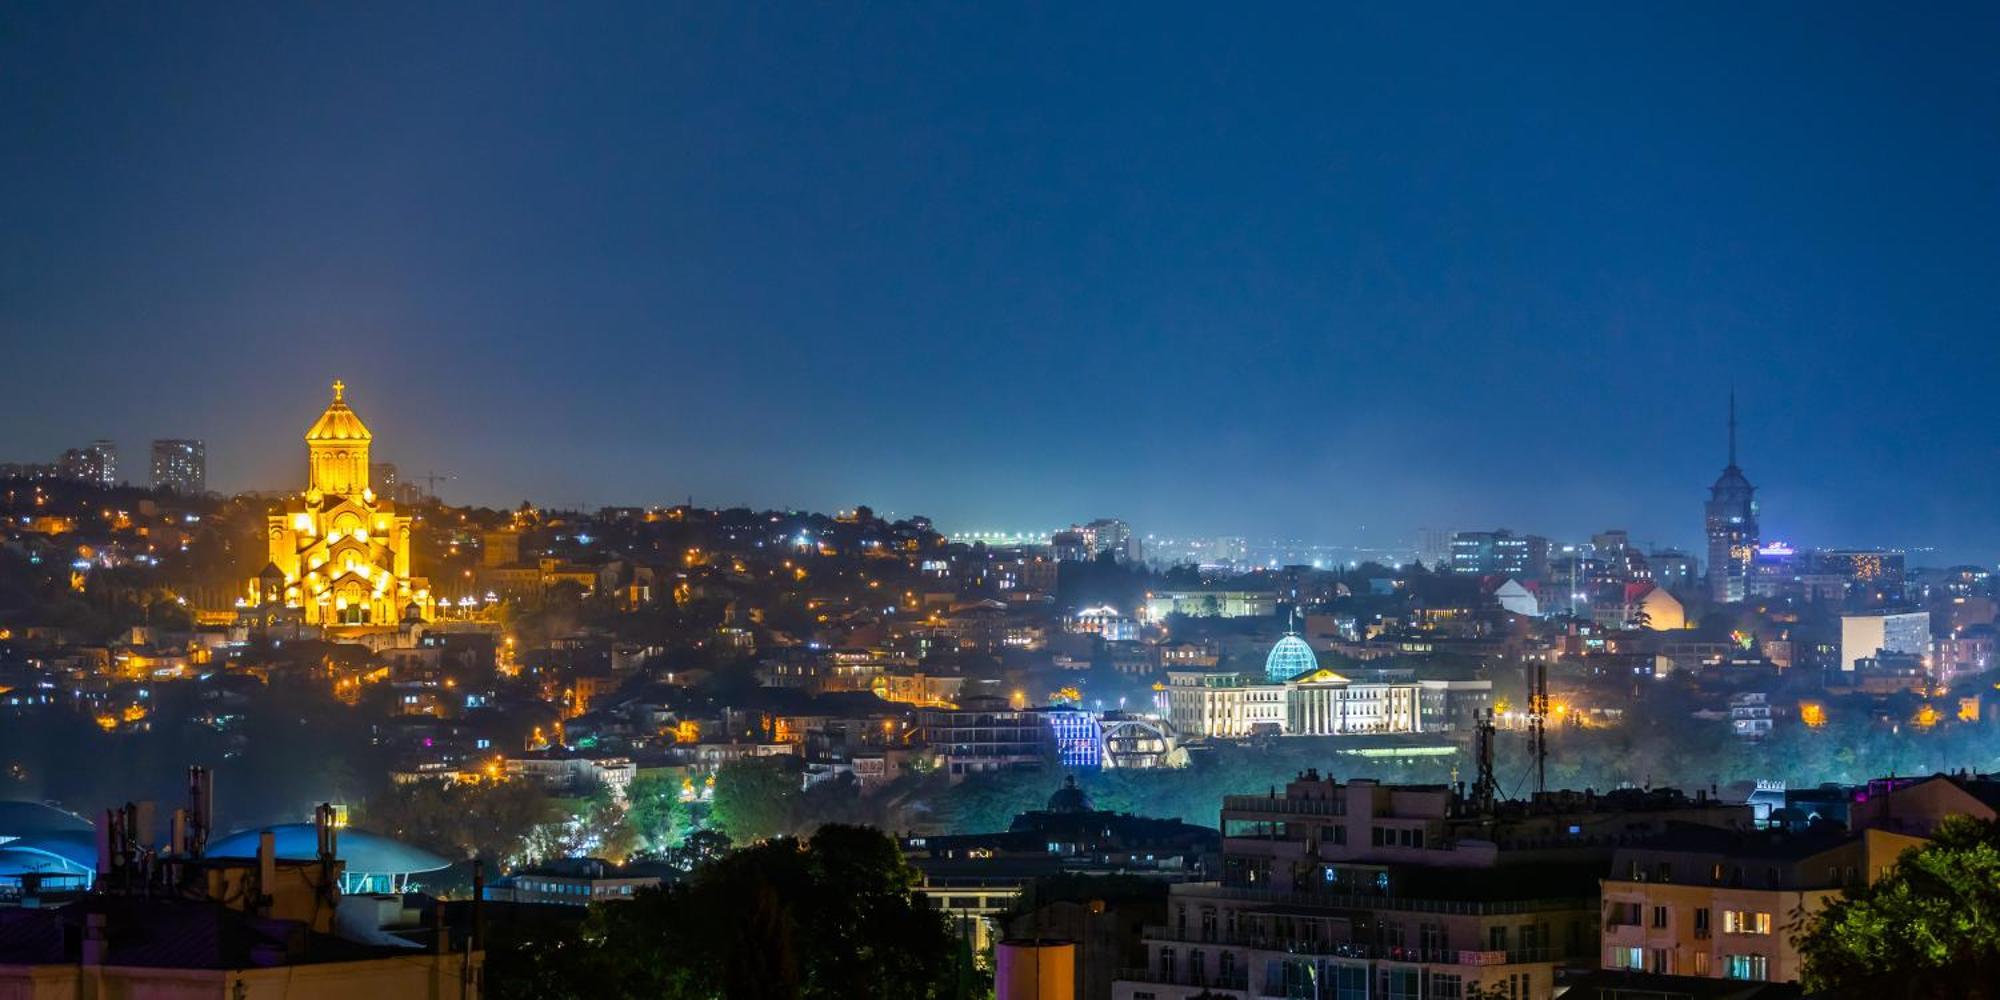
1219	269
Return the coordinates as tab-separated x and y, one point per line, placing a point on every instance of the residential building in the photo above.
1966	651
1726	904
573	882
975	878
180	465
1917	805
984	734
1501	553
1368	890
1673	569
1875	575
95	463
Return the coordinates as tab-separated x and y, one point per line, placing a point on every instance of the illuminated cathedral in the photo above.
339	553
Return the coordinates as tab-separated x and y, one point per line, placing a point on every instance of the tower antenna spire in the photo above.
1732	425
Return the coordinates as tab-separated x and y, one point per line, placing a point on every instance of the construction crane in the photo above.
431	480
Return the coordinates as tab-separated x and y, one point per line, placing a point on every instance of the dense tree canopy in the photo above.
460	820
832	917
1930	928
756	797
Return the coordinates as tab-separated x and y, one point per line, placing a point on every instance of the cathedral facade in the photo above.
340	555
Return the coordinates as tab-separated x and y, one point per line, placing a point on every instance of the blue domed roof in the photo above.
77	847
365	853
1291	657
32	819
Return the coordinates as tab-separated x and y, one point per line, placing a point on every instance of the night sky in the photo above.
1336	273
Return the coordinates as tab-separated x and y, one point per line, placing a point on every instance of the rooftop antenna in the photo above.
1538	708
201	810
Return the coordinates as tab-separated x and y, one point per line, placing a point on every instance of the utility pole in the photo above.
1486	789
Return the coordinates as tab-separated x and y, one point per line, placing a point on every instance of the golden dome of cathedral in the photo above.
338	423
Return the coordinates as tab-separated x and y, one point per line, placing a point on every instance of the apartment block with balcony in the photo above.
1356	890
1726	904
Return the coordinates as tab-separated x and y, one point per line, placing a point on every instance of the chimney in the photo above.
478	905
329	834
104	851
95	938
142	825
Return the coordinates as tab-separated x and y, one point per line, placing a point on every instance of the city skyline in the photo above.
1382	544
1007	271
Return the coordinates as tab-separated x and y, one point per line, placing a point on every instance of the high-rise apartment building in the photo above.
95	463
180	465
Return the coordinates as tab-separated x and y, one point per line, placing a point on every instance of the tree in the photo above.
832	917
656	813
1930	927
461	820
754	797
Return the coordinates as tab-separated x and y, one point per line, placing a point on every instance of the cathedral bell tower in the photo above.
337	449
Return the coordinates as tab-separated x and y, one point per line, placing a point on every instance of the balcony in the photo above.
1369	952
1282	805
1200	892
1238	979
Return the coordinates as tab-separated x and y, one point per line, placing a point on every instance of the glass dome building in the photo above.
374	863
1291	657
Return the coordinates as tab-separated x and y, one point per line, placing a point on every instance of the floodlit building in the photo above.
1223	705
1291	657
1209	704
1864	636
1211	604
1323	703
339	553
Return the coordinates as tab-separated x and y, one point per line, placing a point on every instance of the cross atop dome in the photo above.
339	391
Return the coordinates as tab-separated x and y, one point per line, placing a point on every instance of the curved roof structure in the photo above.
365	853
338	423
33	819
1291	657
17	859
77	847
17	863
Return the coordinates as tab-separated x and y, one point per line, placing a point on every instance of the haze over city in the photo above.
1335	273
1080	501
